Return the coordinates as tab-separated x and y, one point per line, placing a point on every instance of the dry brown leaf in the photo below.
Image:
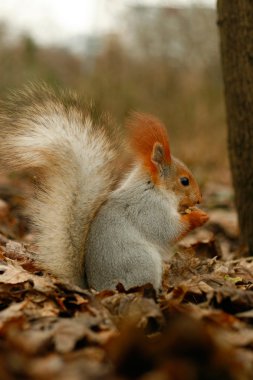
12	273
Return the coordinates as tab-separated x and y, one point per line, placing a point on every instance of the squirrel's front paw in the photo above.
195	217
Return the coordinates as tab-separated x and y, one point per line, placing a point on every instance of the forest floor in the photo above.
199	327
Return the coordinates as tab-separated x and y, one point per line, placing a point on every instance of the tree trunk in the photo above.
235	21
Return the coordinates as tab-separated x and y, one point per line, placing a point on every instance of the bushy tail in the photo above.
67	147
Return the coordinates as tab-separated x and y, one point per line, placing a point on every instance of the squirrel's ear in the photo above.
159	159
149	140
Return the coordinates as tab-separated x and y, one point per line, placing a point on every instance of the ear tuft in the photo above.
158	154
149	140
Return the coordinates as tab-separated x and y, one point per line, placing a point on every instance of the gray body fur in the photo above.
129	233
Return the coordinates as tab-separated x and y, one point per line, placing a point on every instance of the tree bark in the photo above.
235	21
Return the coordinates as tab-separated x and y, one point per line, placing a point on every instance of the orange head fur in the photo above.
146	134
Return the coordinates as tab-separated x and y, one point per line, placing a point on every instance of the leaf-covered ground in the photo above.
200	327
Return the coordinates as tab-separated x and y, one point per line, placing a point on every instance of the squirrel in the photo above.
92	229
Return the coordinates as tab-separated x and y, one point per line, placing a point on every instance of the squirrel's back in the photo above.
69	149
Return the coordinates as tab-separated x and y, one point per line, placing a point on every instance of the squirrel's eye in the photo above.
184	181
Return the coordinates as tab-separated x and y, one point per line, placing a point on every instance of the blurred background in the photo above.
160	57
